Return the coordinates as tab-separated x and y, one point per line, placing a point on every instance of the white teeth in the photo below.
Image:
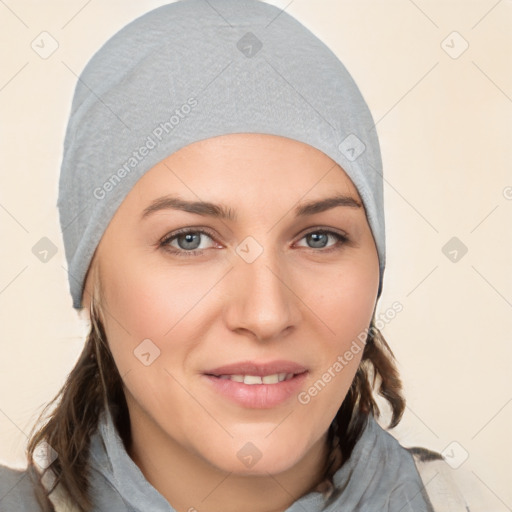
275	378
252	379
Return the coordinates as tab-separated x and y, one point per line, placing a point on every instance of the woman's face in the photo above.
266	286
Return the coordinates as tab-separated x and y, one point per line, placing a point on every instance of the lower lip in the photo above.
258	396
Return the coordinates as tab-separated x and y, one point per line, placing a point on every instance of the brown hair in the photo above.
94	383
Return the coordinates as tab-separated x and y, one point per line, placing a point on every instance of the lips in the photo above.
252	368
253	385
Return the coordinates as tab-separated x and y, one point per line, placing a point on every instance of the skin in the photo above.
296	302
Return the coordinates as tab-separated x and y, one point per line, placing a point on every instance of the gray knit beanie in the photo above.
195	69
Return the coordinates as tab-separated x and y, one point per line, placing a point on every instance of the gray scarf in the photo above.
380	475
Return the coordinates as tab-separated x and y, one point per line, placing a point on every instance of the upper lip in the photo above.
257	369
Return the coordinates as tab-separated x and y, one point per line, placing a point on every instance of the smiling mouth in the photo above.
274	378
257	385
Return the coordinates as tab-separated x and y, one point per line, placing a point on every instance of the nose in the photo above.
261	299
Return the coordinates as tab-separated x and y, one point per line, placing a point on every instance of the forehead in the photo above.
243	159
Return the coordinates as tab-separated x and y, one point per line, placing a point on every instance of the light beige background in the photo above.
445	127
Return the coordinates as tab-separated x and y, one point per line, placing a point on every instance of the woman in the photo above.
222	212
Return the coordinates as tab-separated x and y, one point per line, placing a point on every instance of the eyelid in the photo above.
323	229
183	231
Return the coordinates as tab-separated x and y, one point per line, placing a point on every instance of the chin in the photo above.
249	460
272	465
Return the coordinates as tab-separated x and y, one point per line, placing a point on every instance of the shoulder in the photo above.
441	483
17	491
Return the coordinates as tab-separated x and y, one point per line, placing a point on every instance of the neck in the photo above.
190	483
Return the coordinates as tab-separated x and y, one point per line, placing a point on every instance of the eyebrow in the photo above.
220	211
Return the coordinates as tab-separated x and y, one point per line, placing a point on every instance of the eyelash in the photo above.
164	243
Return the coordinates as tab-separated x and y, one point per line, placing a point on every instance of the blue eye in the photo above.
189	241
320	238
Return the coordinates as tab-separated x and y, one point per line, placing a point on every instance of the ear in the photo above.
85	311
88	290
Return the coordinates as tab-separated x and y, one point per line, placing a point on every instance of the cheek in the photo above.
344	302
344	299
149	300
143	314
157	303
